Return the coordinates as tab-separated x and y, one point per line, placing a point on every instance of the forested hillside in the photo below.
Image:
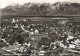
39	9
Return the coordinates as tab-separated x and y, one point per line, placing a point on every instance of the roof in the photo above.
73	51
11	48
2	52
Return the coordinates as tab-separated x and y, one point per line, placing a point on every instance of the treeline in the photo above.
40	9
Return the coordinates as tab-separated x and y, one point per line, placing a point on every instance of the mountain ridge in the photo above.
42	9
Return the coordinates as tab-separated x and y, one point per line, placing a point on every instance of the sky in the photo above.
4	3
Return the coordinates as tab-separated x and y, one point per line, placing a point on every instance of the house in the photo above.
4	52
77	42
12	48
42	53
36	31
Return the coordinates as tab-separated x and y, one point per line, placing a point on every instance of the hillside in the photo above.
42	9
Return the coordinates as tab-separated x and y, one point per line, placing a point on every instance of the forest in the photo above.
42	9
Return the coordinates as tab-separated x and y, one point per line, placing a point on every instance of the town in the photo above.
40	36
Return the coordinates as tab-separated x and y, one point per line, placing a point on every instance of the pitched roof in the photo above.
11	48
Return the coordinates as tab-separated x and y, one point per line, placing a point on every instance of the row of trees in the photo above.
58	8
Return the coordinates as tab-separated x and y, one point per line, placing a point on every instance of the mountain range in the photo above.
42	9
